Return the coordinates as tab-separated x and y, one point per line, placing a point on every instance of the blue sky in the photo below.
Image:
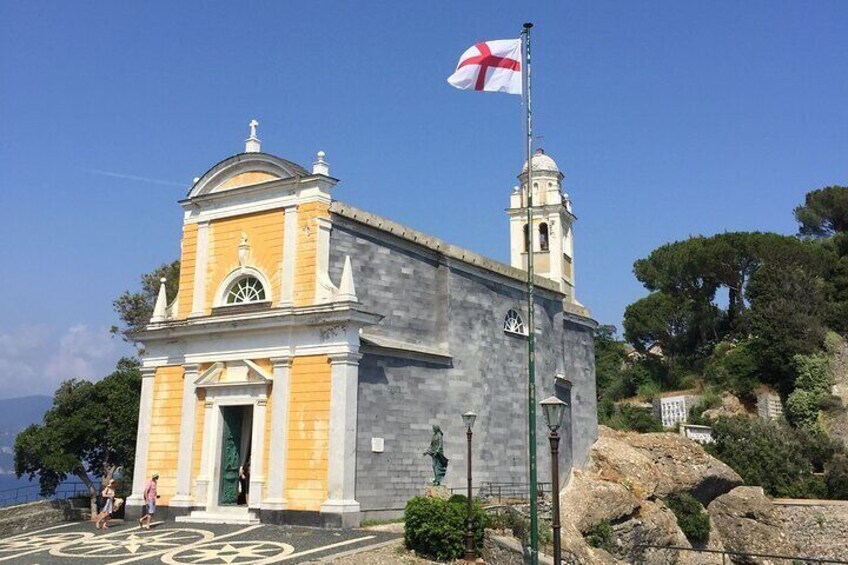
668	119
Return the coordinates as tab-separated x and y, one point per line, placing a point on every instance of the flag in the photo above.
493	66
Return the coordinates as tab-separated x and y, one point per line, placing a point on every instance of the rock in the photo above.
613	459
655	525
730	406
440	491
587	501
683	466
747	522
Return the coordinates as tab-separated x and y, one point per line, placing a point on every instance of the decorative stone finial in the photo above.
320	166
347	290
161	307
253	144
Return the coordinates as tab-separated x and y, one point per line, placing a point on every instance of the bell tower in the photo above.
552	239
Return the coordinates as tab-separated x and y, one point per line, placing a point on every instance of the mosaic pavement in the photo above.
178	544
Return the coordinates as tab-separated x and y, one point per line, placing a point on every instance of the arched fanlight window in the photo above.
513	323
244	290
543	236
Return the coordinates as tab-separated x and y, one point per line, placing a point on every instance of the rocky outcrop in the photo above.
628	476
748	523
656	465
730	406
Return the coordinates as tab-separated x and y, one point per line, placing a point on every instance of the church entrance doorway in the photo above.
234	479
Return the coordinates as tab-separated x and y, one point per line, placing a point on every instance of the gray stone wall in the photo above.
440	303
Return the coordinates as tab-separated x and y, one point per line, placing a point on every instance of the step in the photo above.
225	516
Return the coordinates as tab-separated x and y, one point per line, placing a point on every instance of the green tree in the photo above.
610	358
786	317
824	212
89	432
134	309
763	453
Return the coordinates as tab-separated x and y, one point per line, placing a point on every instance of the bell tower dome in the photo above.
552	238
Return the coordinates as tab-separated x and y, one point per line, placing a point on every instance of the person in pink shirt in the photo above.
150	497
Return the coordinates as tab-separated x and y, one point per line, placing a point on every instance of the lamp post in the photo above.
470	545
554	408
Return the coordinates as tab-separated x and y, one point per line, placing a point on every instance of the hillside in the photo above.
15	415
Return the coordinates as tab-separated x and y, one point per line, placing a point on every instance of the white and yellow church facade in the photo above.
295	375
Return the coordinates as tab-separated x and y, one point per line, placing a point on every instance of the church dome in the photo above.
542	162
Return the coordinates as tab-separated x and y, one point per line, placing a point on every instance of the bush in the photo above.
436	527
634	418
802	409
812	374
763	453
836	477
601	536
693	521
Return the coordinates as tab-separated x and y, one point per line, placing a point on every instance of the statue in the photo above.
437	452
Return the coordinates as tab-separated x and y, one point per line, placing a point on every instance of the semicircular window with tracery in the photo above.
244	290
513	323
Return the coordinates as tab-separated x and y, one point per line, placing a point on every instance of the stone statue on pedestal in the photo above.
437	452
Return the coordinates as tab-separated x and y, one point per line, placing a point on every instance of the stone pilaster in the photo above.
275	494
183	497
257	459
341	507
145	412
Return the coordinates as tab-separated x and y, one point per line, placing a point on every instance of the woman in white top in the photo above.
108	506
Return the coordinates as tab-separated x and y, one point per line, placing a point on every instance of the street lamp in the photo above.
554	409
470	546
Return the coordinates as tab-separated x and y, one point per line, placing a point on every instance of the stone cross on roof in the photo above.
252	144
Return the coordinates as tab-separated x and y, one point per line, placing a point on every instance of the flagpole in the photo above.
531	326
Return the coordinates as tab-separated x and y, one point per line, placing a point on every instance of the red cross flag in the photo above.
493	66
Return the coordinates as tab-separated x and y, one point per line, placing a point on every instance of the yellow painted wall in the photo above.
264	232
244	179
199	422
307	245
165	429
187	263
308	433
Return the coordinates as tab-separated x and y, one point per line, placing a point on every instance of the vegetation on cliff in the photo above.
736	313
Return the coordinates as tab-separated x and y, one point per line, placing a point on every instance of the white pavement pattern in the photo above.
173	545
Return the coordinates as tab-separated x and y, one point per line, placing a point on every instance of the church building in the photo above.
297	373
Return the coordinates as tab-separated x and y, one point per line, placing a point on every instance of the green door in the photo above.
230	454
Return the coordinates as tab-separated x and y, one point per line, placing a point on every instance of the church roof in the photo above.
435	244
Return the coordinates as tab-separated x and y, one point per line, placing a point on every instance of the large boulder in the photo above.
613	459
587	501
748	523
662	463
730	406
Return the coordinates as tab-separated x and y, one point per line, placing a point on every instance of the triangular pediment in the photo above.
233	373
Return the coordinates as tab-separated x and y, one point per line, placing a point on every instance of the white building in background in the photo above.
769	406
674	409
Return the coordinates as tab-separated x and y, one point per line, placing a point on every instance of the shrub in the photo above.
812	374
763	453
836	477
436	527
693	521
634	418
802	409
601	536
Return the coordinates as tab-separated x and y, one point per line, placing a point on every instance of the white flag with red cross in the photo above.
491	66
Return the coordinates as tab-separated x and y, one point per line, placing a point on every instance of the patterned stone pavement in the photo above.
181	544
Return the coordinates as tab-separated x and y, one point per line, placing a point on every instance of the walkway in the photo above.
173	544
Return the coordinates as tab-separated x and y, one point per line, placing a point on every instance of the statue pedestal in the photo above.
440	491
